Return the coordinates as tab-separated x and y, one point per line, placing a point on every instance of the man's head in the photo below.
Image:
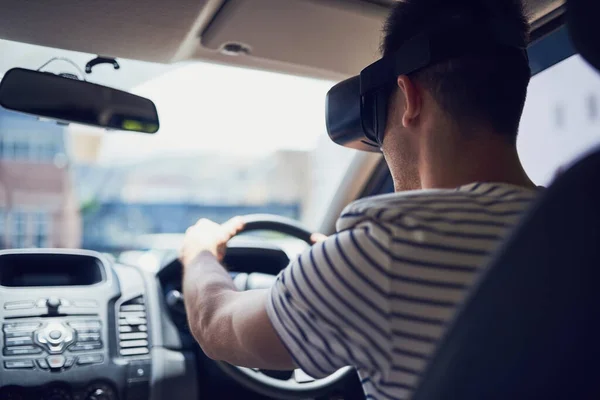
473	95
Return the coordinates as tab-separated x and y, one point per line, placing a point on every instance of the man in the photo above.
377	294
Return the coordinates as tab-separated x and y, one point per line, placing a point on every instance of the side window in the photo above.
561	119
387	186
380	182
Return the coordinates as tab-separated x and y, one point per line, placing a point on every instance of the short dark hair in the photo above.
488	86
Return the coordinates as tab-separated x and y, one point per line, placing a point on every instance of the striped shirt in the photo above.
378	294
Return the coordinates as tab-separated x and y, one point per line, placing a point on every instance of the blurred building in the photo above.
167	194
38	206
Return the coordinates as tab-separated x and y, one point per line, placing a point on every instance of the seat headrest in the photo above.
584	28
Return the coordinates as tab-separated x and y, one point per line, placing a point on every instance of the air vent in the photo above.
133	328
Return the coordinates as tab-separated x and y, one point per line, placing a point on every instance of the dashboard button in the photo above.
138	371
69	362
18	305
88	337
85	303
85	326
18	364
85	346
55	337
56	362
87	331
21	326
21	350
90	359
18	341
15	334
42	363
55	334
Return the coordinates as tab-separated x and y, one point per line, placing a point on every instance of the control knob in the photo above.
53	302
100	392
174	300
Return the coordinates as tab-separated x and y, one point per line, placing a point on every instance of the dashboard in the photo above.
77	326
73	327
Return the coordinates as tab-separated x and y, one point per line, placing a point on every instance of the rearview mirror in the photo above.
69	100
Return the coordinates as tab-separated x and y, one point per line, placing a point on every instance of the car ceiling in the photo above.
329	39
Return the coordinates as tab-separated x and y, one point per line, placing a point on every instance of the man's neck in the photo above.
485	158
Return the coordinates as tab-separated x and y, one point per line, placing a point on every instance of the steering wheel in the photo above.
300	385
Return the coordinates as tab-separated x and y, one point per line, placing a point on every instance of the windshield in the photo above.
232	142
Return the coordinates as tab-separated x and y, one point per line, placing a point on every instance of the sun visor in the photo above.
333	37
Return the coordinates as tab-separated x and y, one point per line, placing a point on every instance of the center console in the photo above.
70	330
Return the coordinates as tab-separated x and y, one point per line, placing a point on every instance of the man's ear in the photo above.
412	100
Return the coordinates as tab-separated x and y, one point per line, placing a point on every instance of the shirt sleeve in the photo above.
330	306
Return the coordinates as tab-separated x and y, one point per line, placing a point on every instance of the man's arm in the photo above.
229	325
329	307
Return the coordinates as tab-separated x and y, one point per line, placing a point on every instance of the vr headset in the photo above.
356	109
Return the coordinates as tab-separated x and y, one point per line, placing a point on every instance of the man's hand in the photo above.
317	237
208	236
